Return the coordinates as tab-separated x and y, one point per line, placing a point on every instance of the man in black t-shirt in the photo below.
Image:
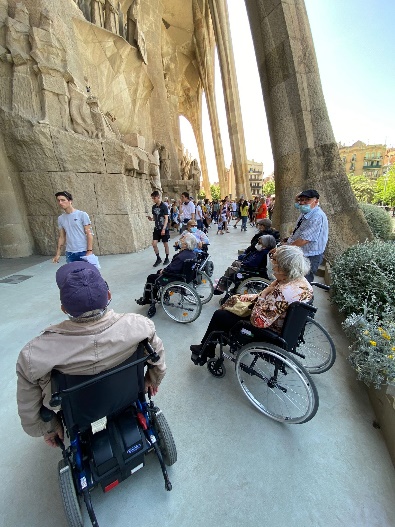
160	215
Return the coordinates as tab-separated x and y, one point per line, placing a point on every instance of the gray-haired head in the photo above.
268	241
190	241
292	262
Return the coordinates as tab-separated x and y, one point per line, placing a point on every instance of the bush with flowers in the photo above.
373	349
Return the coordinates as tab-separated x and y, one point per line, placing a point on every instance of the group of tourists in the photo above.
72	346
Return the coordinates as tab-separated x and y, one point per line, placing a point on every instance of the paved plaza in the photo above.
235	467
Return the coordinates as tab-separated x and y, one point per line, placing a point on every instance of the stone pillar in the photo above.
220	18
15	240
202	155
204	49
304	147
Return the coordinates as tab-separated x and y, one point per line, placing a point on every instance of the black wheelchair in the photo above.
315	348
270	377
181	295
245	281
111	427
206	265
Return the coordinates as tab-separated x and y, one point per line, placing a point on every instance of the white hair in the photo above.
268	241
190	241
292	262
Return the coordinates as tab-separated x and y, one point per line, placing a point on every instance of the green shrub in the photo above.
364	278
378	220
373	348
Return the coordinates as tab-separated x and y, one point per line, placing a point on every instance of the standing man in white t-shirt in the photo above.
74	230
187	210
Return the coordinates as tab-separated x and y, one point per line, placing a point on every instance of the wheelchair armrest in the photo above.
151	352
46	414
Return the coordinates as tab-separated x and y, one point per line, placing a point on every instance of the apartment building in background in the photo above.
362	159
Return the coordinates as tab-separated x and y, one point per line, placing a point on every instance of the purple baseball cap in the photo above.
82	288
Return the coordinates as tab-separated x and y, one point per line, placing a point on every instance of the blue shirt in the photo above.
314	228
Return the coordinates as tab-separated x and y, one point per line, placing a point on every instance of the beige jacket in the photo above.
78	349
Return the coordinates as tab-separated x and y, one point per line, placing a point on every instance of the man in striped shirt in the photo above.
311	230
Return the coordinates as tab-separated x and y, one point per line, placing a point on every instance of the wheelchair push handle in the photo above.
321	286
151	352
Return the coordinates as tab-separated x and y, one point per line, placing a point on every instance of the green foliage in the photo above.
373	349
378	220
269	188
215	192
385	188
363	278
201	194
363	188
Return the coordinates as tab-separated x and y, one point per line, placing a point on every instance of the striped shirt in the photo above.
313	227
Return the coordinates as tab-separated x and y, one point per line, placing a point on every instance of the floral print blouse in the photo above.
272	304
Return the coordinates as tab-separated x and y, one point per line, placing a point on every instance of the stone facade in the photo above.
90	97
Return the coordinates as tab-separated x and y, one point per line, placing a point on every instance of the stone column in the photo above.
204	48
197	129
304	147
220	18
15	240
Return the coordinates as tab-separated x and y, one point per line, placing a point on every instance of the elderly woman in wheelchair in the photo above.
178	287
260	341
253	265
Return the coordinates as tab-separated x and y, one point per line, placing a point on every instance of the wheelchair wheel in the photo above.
69	497
216	367
316	347
204	287
181	302
275	384
209	268
166	442
252	285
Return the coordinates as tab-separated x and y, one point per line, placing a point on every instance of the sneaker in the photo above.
142	301
151	311
166	260
158	261
235	226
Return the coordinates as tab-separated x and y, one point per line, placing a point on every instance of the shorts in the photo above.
158	236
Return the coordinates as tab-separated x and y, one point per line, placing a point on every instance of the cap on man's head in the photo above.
82	288
64	193
264	221
310	193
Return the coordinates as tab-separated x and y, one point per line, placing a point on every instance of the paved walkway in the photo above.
235	467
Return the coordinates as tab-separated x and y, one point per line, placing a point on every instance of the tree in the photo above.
385	188
269	188
215	191
363	188
201	194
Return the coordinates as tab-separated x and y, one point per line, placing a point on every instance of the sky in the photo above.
355	47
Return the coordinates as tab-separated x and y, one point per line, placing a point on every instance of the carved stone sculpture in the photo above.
81	119
134	33
111	20
51	68
154	168
194	172
165	170
97	12
111	122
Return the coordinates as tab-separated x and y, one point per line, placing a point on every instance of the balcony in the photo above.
375	166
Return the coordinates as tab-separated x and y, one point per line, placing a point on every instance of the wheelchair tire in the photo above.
276	384
252	285
317	348
216	368
181	302
70	499
209	268
165	438
204	287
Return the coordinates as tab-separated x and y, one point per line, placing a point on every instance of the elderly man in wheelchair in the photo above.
94	363
265	317
201	250
179	287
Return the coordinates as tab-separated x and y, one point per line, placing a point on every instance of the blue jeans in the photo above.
315	262
199	224
75	257
244	222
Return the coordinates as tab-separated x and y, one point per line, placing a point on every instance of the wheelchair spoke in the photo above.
275	384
